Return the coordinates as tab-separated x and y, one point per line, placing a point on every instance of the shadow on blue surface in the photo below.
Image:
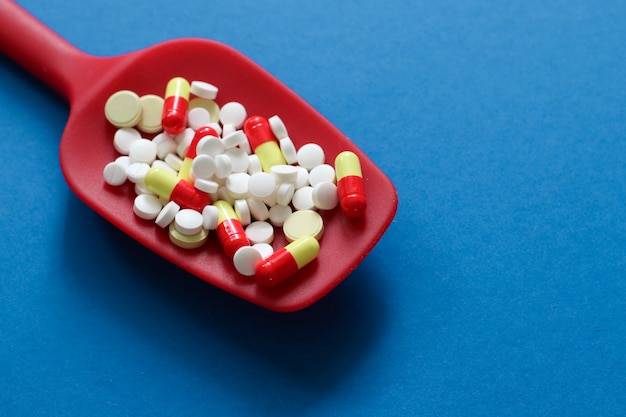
205	328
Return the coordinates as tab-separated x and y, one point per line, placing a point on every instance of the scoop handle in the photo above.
35	47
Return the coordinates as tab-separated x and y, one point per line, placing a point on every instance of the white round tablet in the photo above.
254	164
188	222
261	184
289	150
223	166
210	145
285	173
278	214
325	196
310	155
303	177
246	259
147	206
136	172
142	150
183	141
167	214
208	186
203	89
239	159
265	249
233	113
174	161
233	139
115	173
210	217
260	232
258	209
166	147
278	127
284	194
123	137
203	166
243	212
198	117
303	198
237	185
321	173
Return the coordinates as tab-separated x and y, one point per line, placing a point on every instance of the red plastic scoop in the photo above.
87	146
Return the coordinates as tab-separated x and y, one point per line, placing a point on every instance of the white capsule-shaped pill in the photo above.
321	173
123	138
167	214
233	113
188	222
210	217
289	150
246	260
260	232
325	196
203	166
198	117
147	206
261	185
203	89
115	173
303	198
310	155
278	127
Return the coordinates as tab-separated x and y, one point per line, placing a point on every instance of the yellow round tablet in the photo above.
151	112
123	109
188	241
209	105
303	223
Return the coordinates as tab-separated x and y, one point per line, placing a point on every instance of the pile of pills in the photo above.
212	168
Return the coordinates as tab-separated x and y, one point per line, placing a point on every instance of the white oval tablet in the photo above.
167	214
261	184
260	232
233	113
123	137
246	259
310	155
303	198
188	222
203	89
325	196
147	206
115	173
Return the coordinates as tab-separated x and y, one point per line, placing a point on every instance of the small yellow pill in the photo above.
123	109
303	223
151	111
187	241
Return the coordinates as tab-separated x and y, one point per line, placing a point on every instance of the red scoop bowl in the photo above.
86	82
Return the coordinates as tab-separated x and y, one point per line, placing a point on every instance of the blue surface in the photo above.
499	289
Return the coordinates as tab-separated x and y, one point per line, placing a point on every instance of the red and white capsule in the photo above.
287	261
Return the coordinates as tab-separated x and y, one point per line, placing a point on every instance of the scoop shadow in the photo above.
214	332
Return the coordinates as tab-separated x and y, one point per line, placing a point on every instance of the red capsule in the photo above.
263	142
175	106
168	186
230	232
350	185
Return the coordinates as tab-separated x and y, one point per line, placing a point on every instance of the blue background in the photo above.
499	288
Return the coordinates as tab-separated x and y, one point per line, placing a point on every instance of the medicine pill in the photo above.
210	217
233	113
147	206
278	127
265	249
207	104
142	150
310	155
303	223
325	196
175	106
123	138
123	109
260	232
321	173
246	260
350	185
243	212
288	149
204	89
287	261
187	241
263	142
303	198
115	173
198	117
278	214
167	214
230	232
151	111
188	222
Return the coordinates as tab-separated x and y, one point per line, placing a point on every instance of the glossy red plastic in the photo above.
258	131
276	269
86	82
232	236
352	199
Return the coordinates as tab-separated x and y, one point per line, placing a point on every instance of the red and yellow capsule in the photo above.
350	185
174	118
169	187
230	232
185	168
287	261
263	142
